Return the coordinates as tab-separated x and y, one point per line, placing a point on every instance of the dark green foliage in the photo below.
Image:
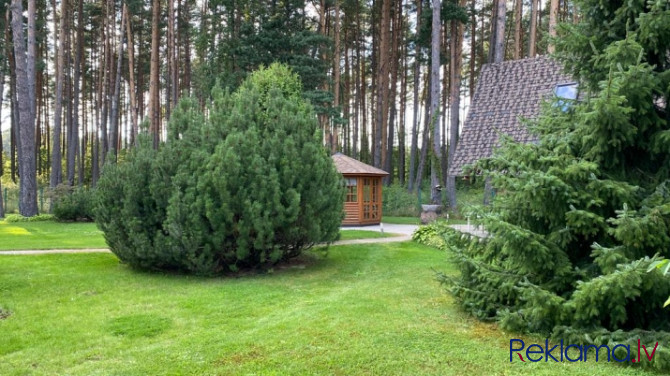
268	32
584	213
246	186
74	204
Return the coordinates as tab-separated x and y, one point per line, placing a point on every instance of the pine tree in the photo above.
582	214
247	185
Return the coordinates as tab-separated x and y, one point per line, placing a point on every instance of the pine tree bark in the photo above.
402	147
56	176
2	88
473	47
415	119
154	92
436	160
26	121
425	144
131	76
73	141
455	103
394	63
518	30
113	123
383	62
336	76
499	47
532	38
553	20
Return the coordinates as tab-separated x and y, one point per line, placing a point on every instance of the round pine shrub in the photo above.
245	186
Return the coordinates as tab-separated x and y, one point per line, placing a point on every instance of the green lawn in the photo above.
362	234
58	235
49	235
359	310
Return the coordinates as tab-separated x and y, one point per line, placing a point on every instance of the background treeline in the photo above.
85	77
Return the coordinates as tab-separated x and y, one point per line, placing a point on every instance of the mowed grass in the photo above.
60	235
49	235
359	310
363	234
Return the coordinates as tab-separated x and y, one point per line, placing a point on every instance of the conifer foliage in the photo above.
245	186
581	215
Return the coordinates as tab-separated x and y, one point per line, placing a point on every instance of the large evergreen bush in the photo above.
581	215
244	186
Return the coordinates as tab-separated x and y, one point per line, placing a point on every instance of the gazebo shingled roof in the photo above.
505	92
349	166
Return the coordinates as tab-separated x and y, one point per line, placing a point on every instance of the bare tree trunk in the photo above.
131	75
56	173
381	116
27	166
2	88
114	131
401	119
394	56
154	92
30	69
73	142
436	160
14	131
553	20
425	144
357	83
532	40
473	48
455	102
173	81
501	13
336	75
415	119
518	31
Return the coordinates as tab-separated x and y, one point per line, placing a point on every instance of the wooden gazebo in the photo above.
363	202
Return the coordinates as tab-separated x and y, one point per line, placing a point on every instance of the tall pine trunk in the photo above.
56	157
553	20
436	160
532	38
26	121
154	91
113	123
518	30
455	103
381	110
2	88
131	76
415	119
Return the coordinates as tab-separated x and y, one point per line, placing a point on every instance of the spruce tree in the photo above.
247	185
581	215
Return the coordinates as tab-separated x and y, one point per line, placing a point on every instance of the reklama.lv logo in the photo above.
534	350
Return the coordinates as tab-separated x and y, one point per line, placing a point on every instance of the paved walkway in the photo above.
403	232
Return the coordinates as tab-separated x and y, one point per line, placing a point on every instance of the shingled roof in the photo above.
505	92
349	166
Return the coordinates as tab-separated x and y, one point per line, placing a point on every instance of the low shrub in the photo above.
74	204
12	218
432	234
397	202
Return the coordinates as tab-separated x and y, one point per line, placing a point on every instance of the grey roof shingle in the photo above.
505	92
